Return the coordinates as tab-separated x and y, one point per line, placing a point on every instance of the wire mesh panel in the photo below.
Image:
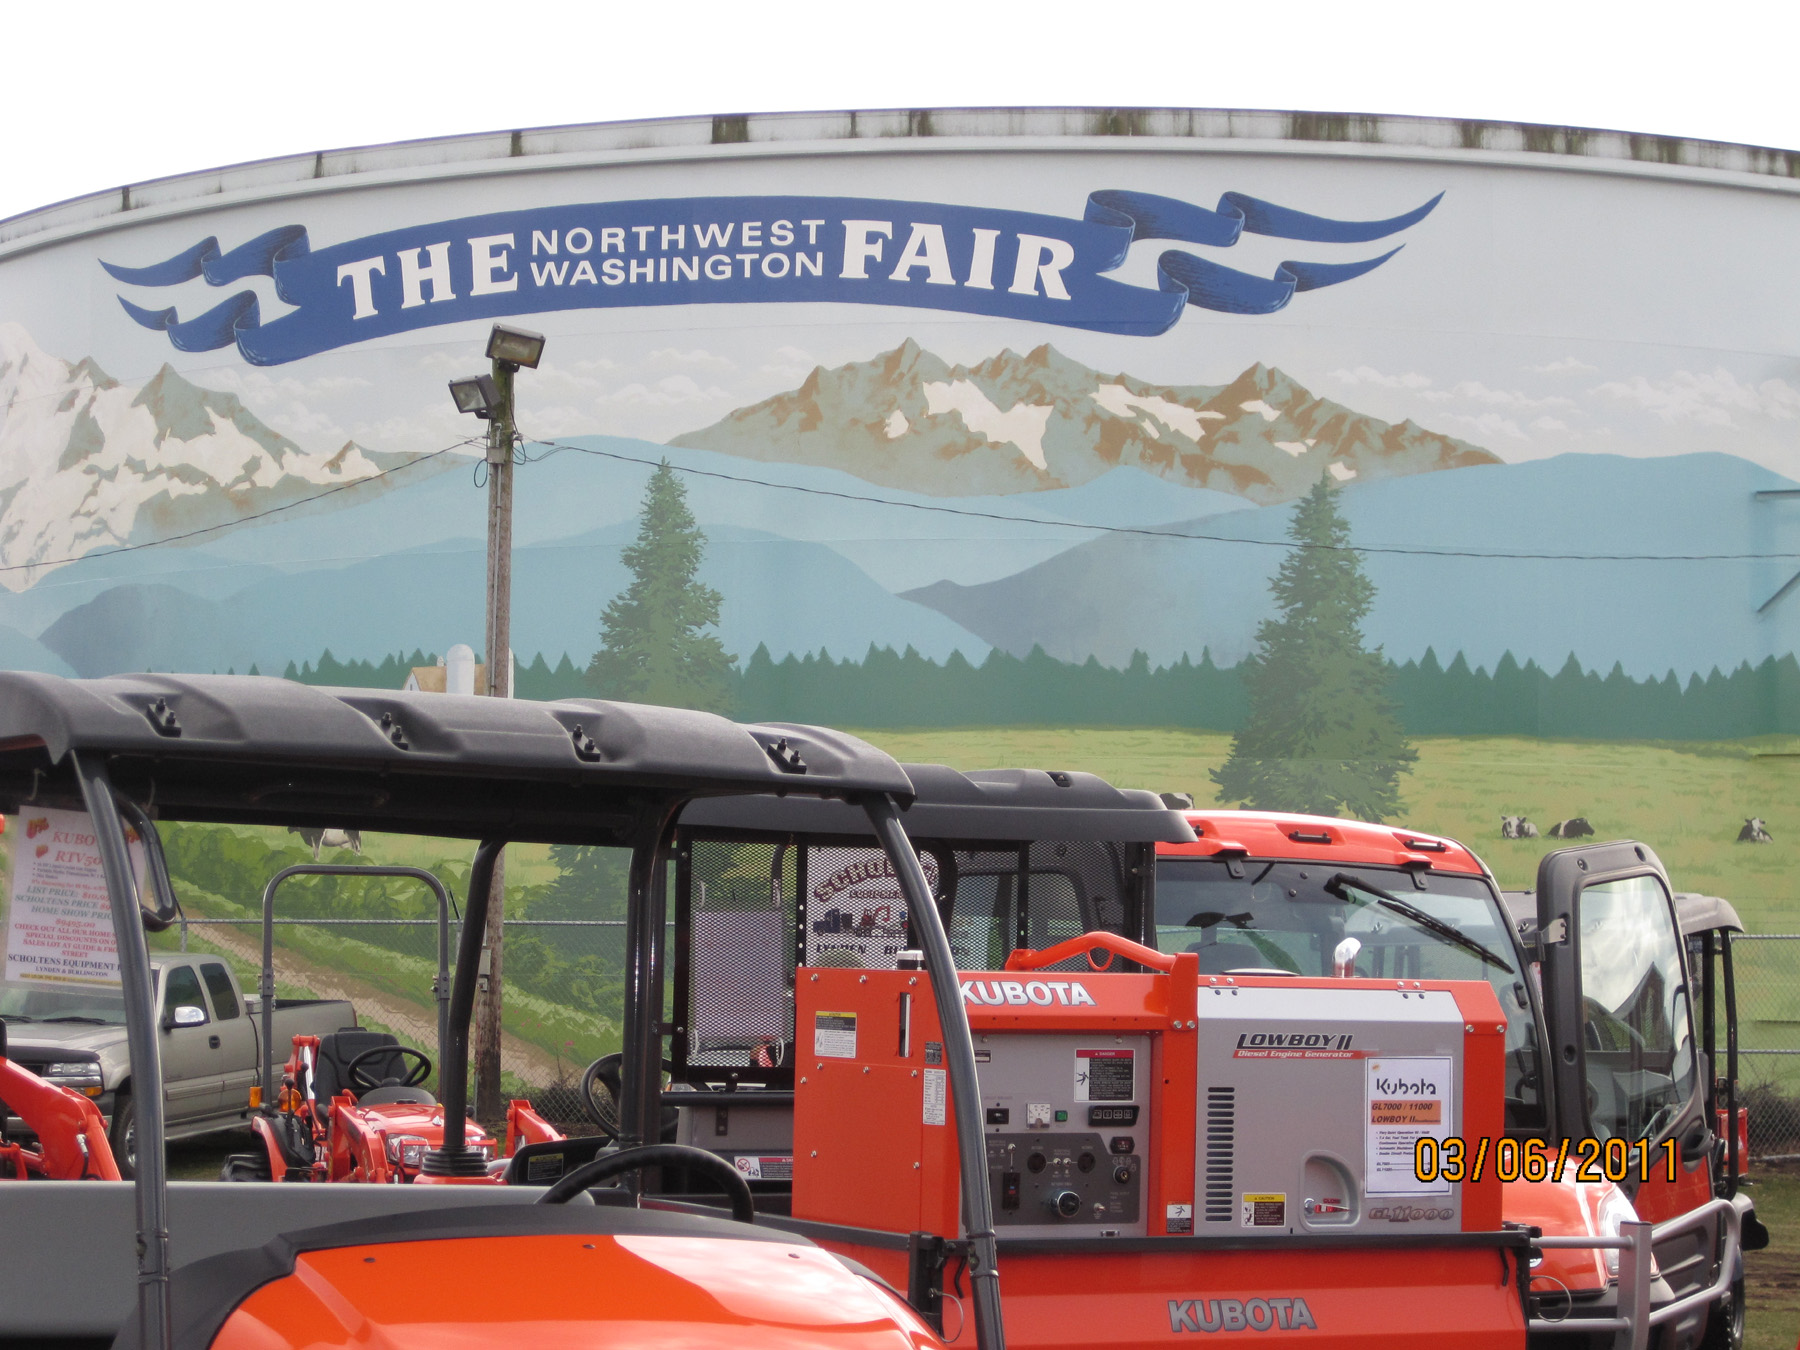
1034	898
1767	967
739	974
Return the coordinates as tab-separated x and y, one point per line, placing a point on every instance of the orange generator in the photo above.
1170	1154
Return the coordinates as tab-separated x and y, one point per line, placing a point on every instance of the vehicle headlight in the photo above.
1615	1211
73	1068
407	1149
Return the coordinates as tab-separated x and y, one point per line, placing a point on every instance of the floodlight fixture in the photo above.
516	346
476	394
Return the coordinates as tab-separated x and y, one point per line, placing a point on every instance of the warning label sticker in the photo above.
1263	1210
834	1035
1408	1100
1181	1218
1105	1075
765	1168
937	1093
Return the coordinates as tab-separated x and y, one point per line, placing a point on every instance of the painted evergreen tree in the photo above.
654	647
1321	736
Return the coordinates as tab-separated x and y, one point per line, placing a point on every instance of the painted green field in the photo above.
1687	801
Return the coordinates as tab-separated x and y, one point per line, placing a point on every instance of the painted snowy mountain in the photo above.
1042	421
89	463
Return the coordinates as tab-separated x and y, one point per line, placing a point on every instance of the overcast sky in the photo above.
108	93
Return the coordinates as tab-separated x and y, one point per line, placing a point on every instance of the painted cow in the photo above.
1755	832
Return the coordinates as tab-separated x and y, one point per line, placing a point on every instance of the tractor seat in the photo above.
381	1096
339	1048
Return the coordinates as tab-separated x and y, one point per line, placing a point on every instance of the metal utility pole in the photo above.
489	1105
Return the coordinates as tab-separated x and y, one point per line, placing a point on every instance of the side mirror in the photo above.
187	1015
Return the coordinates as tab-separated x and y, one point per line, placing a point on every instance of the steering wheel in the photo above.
711	1165
363	1081
600	1092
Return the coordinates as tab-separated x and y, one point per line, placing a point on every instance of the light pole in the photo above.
491	397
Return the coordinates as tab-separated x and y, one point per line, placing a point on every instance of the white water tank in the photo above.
459	670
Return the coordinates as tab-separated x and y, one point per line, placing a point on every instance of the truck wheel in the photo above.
123	1135
1725	1328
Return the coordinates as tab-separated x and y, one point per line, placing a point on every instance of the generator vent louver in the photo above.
1218	1184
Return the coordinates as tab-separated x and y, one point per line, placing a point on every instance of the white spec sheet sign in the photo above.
1408	1099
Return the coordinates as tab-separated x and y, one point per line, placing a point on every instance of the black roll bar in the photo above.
646	915
1731	1067
440	984
959	1059
136	983
454	1158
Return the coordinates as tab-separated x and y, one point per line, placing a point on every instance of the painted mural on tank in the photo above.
975	445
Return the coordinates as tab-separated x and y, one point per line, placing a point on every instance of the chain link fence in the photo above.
1767	967
563	1000
565	984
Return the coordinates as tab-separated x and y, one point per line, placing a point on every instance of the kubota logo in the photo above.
997	993
1240	1314
1408	1213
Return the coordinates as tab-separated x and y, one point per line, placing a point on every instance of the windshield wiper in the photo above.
76	1017
17	1017
1343	880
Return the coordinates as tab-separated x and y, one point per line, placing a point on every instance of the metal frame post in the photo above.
959	1059
454	1158
142	1042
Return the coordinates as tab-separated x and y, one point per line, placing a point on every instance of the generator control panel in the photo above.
1067	1119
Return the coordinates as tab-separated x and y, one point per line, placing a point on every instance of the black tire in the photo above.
246	1167
1725	1328
123	1134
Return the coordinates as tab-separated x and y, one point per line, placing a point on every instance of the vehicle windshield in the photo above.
1282	918
20	1002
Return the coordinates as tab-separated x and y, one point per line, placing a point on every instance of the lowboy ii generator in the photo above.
1170	1153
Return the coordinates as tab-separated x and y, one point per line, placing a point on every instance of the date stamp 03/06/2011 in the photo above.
1455	1159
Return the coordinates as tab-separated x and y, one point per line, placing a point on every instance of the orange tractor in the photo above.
68	1130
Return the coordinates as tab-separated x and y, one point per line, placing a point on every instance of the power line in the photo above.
241	520
1151	531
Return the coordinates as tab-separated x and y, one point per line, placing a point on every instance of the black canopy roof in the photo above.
987	804
251	749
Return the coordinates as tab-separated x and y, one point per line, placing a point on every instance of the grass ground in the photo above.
1686	800
1772	1277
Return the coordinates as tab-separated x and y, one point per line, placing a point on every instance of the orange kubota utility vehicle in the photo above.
435	1263
1602	1066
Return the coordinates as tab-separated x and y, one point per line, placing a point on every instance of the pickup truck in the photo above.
75	1036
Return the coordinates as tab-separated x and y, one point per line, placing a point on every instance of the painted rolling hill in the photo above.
1648	611
1041	421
